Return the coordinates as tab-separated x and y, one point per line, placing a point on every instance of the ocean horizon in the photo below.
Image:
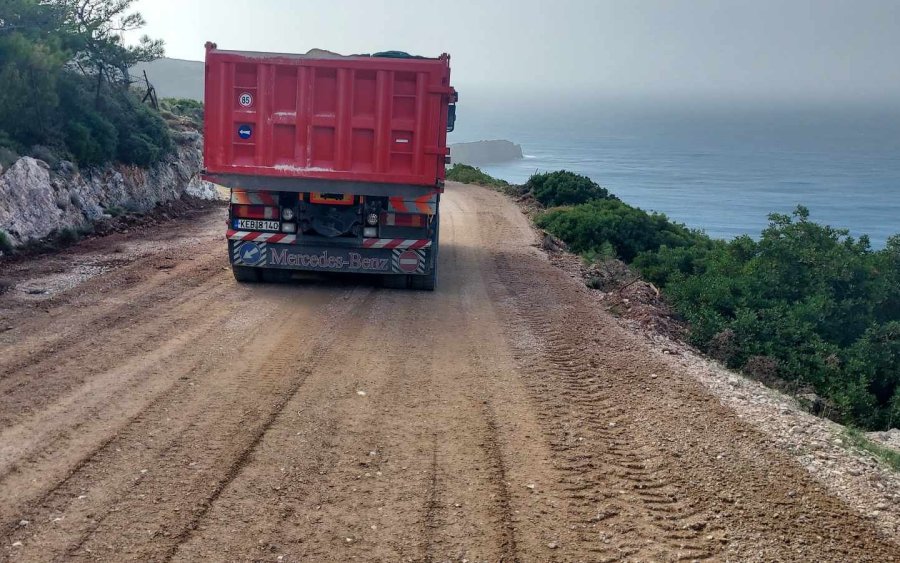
720	169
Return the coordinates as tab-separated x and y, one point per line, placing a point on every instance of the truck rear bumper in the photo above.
393	257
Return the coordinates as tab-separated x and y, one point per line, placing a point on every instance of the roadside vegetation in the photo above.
180	111
888	456
5	243
53	242
66	89
473	175
805	307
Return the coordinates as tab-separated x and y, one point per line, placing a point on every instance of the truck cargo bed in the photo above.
359	119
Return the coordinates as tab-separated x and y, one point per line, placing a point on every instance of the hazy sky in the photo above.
781	49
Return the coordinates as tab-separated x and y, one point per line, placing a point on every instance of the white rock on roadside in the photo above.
35	201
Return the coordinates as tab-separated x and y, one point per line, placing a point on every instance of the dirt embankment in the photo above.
153	409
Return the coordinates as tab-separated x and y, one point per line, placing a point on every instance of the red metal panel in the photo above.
365	119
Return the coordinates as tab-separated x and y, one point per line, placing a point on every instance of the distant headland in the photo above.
485	152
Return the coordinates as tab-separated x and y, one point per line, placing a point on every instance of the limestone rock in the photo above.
36	201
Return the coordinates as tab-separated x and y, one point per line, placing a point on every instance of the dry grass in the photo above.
888	456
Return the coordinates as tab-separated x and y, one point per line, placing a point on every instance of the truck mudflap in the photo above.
409	259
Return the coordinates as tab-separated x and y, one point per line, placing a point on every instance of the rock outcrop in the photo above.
485	152
36	201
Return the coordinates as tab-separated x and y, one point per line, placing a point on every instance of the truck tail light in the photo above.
254	212
404	219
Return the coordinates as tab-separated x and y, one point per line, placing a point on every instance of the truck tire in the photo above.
427	282
274	275
394	281
246	274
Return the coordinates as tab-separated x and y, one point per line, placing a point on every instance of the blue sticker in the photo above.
247	253
250	254
245	131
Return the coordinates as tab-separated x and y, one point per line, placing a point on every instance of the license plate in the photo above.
256	225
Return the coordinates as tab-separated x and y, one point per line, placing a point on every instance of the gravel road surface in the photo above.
153	409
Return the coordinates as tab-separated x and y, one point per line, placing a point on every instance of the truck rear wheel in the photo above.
427	282
274	275
394	281
246	274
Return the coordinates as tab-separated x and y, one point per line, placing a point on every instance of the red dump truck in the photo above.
334	163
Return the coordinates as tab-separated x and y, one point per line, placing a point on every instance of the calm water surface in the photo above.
723	170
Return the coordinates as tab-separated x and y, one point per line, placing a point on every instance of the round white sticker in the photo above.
246	99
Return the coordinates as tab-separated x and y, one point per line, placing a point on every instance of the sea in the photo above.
719	166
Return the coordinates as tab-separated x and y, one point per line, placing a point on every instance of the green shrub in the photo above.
875	359
91	144
46	154
64	88
9	150
822	304
67	236
805	306
115	126
8	157
588	227
565	188
472	175
133	207
115	211
143	135
6	244
192	110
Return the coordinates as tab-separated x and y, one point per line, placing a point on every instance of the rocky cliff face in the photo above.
484	152
35	201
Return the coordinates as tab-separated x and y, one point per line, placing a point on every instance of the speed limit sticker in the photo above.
246	99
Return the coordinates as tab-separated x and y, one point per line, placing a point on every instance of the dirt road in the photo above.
153	409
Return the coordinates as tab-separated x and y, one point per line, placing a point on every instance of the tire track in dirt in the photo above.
194	429
41	417
656	468
446	540
412	469
499	418
614	495
508	550
52	443
431	505
99	331
84	422
351	419
339	325
47	337
526	506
